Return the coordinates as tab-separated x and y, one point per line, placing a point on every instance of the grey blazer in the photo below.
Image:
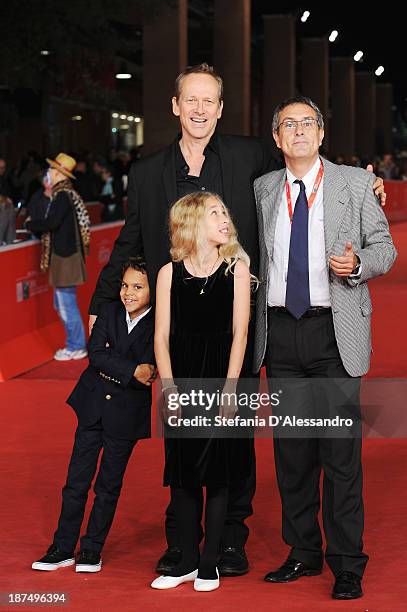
351	213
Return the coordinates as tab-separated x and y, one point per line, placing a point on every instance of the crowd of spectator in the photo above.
388	166
25	188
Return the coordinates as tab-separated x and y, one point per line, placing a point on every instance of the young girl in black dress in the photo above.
202	316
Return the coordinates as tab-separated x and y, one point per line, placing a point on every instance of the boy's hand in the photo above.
145	373
92	320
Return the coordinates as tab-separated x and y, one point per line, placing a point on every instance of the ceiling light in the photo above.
358	56
333	36
305	16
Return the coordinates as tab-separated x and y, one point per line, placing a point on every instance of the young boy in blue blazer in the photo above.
112	401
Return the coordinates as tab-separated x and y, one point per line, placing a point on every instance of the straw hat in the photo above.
64	164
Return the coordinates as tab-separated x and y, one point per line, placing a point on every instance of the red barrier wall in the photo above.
396	202
30	331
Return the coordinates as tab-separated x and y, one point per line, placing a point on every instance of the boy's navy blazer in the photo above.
107	389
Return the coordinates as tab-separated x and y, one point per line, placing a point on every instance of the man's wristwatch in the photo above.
356	269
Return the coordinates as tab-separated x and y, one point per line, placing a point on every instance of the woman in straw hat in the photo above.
65	242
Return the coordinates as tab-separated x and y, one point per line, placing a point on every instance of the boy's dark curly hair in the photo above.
136	263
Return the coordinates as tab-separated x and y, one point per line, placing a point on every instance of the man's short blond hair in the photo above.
198	69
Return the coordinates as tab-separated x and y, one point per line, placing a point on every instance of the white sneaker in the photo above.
79	354
170	582
200	584
64	354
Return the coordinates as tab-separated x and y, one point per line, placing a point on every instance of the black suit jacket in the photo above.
107	389
151	192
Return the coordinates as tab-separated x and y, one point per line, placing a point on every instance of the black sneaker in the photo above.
54	559
88	561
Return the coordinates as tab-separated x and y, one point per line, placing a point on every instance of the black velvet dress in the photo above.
201	337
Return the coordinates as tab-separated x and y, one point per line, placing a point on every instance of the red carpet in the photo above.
37	429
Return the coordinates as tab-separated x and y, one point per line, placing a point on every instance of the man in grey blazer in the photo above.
322	236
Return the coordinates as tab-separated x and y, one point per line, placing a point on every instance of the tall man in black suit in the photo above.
199	159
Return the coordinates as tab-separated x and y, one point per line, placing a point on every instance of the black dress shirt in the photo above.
210	178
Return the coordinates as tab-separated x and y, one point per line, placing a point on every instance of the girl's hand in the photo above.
228	404
171	406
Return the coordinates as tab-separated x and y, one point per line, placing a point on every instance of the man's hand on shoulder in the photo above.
378	186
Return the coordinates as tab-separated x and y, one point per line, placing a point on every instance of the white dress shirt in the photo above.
131	323
318	270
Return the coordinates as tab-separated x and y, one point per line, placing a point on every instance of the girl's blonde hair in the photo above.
185	226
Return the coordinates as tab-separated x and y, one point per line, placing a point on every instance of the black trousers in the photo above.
89	441
306	348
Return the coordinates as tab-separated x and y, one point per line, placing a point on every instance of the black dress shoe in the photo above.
347	586
169	560
233	561
291	570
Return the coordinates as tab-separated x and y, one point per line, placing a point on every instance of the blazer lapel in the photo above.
169	174
122	330
271	205
136	331
335	197
226	164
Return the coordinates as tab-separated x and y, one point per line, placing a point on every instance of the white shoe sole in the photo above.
51	567
70	357
84	567
171	582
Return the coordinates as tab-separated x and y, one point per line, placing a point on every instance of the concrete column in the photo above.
365	114
315	75
342	121
279	65
232	61
384	118
164	57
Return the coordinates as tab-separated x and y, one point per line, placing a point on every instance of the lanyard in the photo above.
312	196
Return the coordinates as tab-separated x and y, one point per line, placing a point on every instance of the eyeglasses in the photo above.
290	125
